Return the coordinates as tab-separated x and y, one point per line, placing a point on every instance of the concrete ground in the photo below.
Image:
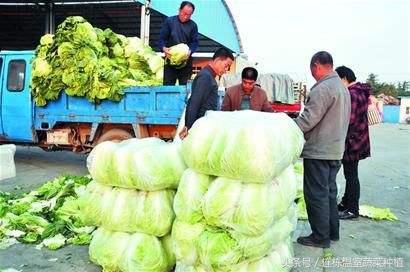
365	245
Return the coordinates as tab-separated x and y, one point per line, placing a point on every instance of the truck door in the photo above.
1	92
16	105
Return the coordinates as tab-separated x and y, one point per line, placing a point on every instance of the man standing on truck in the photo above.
175	30
324	121
204	95
246	96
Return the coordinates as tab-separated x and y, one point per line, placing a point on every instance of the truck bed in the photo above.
140	105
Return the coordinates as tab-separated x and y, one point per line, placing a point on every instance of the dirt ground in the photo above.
365	245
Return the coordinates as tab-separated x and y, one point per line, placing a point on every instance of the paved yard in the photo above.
385	182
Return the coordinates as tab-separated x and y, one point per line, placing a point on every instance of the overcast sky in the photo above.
369	36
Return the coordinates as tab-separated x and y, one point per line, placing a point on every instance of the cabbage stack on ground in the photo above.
300	199
131	201
235	204
89	62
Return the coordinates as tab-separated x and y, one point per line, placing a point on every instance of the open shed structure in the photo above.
22	23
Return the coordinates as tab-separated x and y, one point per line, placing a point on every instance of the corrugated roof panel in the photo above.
212	17
21	26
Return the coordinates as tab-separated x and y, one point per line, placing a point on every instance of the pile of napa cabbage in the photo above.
234	206
85	61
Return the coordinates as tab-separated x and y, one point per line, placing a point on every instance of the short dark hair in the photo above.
187	3
223	53
249	73
321	57
346	72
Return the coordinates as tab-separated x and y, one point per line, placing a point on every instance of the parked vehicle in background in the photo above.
73	123
284	94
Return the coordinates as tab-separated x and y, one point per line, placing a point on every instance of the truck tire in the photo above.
115	134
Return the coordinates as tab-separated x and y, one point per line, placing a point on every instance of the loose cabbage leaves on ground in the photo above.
376	213
89	62
47	214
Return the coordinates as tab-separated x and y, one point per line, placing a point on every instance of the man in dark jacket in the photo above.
357	142
246	96
175	30
204	95
324	121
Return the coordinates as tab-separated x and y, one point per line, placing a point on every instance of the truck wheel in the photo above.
116	135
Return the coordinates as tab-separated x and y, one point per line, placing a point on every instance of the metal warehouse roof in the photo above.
22	23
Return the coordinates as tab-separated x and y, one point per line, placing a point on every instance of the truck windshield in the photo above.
15	77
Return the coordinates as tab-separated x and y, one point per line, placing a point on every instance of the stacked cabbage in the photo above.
86	61
235	204
300	199
131	201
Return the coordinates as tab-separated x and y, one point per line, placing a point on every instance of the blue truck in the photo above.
73	123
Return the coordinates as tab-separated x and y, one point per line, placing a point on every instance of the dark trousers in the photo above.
351	197
172	74
320	191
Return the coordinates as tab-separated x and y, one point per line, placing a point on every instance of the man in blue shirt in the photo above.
175	30
204	95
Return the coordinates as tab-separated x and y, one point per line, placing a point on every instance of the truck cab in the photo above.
16	108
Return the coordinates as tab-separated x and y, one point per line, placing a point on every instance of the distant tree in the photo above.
387	89
403	88
372	81
382	87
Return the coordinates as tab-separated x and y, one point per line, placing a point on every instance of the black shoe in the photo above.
311	241
334	238
341	207
346	215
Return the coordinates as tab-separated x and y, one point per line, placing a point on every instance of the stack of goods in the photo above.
89	62
130	200
300	199
235	204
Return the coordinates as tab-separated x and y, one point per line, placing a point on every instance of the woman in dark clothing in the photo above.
357	142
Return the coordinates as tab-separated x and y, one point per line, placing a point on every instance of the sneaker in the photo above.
311	241
346	215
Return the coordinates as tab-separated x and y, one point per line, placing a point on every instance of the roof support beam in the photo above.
50	21
145	21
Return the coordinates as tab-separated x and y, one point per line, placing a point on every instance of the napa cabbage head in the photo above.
220	144
189	197
184	237
47	39
128	210
179	54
